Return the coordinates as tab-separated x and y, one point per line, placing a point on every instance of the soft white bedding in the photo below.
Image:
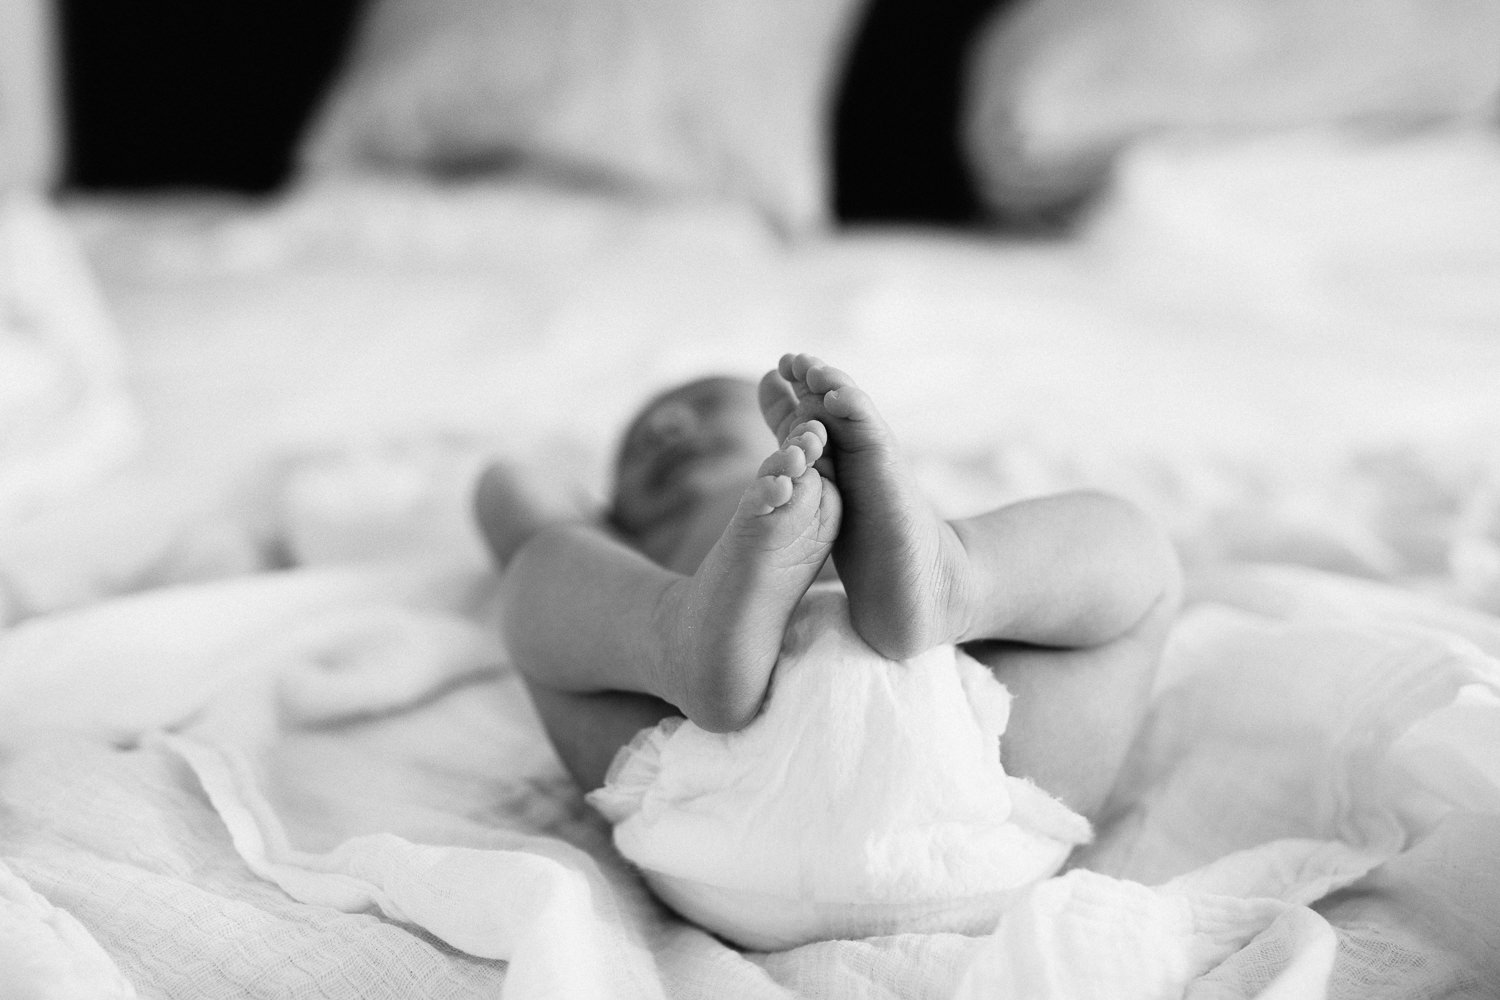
1288	758
1301	368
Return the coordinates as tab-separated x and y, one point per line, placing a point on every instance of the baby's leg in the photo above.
1069	570
511	505
1075	712
588	730
585	615
1066	597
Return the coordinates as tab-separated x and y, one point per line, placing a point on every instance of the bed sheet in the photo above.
1288	350
356	800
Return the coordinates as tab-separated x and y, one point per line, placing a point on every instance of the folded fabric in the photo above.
66	419
45	952
867	798
441	758
366	808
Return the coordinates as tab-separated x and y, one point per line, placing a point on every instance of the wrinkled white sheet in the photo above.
410	825
46	952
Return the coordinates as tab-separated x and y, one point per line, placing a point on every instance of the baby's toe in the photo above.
842	396
849	402
823	377
812	437
766	494
790	460
778	403
798	366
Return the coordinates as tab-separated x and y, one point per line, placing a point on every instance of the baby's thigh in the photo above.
587	729
1075	712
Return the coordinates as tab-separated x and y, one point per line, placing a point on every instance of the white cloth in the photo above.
867	798
66	418
1315	790
46	953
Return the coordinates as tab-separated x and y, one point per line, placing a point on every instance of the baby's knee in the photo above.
510	506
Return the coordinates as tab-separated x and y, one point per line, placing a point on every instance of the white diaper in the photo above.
867	798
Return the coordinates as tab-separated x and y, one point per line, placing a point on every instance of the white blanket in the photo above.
66	419
1313	793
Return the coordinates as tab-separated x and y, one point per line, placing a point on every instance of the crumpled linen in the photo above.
125	841
46	952
1259	874
66	418
867	798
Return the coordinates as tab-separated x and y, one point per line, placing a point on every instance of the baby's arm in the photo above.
1074	570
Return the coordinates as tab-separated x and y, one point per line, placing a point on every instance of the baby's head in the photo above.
682	465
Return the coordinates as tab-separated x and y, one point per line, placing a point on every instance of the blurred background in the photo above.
1163	234
177	93
1007	110
166	93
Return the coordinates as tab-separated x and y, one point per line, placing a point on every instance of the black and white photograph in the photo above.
717	500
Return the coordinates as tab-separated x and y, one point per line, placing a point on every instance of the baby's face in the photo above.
688	446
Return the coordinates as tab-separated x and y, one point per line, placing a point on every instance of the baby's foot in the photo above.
902	565
726	622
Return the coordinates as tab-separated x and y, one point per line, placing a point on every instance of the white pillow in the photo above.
700	97
1057	87
30	119
66	417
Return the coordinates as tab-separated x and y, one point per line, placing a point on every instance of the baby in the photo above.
679	603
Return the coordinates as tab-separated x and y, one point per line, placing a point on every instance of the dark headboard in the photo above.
214	93
192	93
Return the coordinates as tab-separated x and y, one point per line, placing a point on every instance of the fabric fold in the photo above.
1311	805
